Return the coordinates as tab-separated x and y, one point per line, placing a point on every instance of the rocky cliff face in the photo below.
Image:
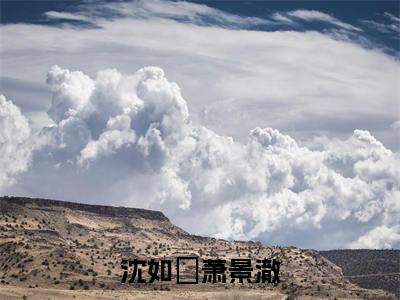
64	245
108	211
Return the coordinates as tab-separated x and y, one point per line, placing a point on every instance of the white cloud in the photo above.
281	17
70	92
136	129
64	16
314	15
15	148
108	142
395	125
391	17
390	25
195	13
381	237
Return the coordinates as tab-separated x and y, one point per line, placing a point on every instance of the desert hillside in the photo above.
56	246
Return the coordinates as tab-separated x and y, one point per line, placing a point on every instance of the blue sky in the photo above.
276	121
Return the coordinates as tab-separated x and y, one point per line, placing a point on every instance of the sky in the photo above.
275	121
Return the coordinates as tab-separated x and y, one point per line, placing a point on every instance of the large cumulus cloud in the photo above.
129	139
15	147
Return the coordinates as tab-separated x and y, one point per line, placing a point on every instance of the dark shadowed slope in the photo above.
372	269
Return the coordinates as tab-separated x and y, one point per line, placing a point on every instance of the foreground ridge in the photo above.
50	244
